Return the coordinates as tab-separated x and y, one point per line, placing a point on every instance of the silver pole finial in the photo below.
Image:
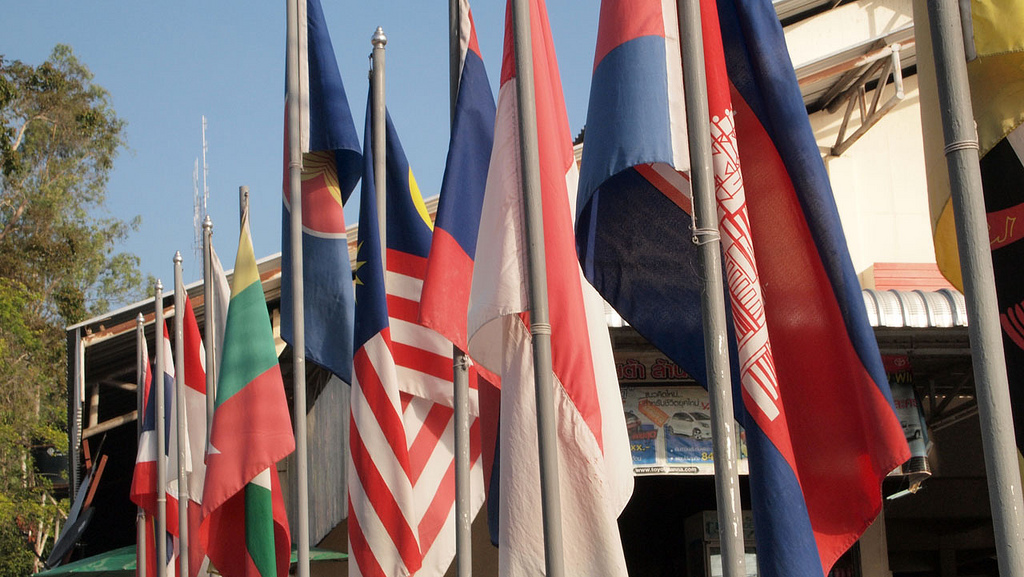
379	38
177	257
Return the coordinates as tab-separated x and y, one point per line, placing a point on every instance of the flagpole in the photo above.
161	441
209	326
179	417
540	325
706	236
993	395
298	291
140	404
379	141
460	362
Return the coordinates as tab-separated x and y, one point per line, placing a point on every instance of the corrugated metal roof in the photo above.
892	308
921	309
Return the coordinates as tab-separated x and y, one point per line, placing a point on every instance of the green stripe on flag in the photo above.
259	529
248	342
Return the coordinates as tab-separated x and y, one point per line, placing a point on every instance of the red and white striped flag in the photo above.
402	474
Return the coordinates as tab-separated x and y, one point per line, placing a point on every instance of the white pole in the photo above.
161	440
140	404
298	291
540	324
993	393
180	420
460	362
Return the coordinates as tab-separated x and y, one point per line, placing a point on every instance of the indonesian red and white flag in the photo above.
595	467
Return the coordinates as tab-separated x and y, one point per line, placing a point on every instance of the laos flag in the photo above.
445	297
821	431
330	170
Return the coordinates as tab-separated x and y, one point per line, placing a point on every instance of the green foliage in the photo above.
15	558
59	137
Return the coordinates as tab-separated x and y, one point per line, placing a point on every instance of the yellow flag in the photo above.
996	79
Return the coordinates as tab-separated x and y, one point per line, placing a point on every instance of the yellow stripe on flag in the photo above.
998	26
417	201
997	94
246	272
946	255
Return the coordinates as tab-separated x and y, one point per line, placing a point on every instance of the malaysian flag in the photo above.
402	475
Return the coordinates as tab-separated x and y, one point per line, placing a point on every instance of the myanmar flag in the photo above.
251	433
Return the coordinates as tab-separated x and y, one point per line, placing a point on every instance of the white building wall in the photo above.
880	185
879	182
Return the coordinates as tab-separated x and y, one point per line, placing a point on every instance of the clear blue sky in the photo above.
168	63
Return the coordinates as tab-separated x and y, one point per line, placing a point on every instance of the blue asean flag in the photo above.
817	411
330	170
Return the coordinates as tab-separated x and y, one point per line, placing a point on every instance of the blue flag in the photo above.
816	408
330	170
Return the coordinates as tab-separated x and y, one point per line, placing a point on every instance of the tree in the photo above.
59	137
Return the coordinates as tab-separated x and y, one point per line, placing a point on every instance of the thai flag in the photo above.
595	465
145	485
330	170
172	453
820	427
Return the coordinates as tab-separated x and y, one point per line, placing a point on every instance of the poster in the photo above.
911	416
670	430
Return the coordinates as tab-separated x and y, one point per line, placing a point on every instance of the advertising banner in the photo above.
670	431
908	409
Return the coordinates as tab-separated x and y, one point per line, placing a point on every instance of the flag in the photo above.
453	245
449	274
595	468
144	483
251	433
330	169
996	81
195	418
171	436
820	428
382	532
143	487
221	298
416	366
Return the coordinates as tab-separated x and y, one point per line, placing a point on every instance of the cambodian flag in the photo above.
330	170
817	410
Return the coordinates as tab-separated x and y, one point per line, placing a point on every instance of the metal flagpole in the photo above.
298	291
379	141
460	362
540	326
161	441
243	201
706	236
993	396
179	416
140	404
209	326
